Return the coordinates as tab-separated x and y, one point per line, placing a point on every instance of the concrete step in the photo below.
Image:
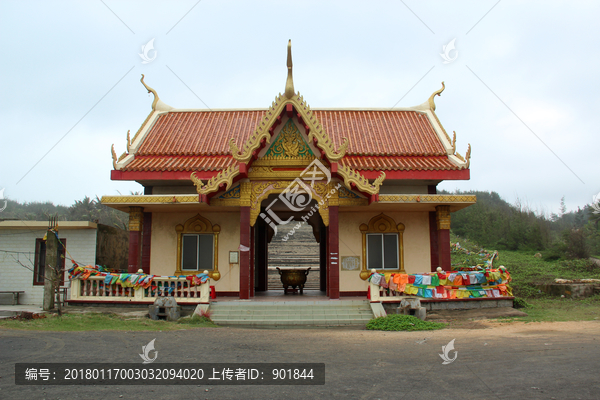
292	313
292	323
287	315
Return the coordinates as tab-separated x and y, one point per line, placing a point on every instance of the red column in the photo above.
252	259
323	259
333	239
135	238
443	234
244	252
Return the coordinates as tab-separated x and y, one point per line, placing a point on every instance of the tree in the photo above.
563	207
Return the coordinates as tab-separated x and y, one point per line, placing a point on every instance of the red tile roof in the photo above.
179	163
399	133
379	140
398	163
217	163
199	133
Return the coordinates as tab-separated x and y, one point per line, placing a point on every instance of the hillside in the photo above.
81	210
494	223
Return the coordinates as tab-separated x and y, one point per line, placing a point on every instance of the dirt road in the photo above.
501	361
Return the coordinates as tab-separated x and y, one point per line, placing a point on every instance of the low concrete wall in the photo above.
569	290
468	304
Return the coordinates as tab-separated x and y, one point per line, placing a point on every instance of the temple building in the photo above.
219	183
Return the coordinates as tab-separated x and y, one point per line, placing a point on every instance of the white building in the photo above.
22	253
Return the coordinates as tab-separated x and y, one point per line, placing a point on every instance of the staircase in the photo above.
297	314
300	251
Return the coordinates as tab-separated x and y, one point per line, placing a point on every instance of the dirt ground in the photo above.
549	360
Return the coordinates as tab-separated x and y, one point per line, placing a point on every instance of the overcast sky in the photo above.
522	88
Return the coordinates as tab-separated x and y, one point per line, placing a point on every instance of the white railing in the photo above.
180	288
378	293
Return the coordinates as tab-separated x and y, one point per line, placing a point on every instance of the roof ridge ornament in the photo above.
150	90
114	156
436	93
224	177
467	159
157	104
289	83
454	143
354	178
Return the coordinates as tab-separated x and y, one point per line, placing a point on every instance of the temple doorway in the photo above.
300	244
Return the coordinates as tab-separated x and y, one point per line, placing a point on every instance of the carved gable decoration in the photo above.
290	145
289	150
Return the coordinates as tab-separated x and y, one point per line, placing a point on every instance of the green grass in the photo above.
560	309
102	322
528	271
399	322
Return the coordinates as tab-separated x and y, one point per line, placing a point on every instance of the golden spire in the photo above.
289	84
436	93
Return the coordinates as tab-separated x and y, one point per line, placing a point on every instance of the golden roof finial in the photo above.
157	104
150	90
436	93
289	84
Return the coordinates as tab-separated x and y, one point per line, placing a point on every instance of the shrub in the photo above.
197	320
520	303
400	322
576	243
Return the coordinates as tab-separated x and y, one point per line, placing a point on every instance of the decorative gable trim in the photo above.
225	177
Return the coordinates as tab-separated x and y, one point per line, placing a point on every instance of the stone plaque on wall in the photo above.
350	263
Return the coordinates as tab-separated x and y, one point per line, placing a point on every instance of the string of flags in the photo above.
127	280
484	282
136	280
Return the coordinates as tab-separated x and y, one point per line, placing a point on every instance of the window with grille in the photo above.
197	252
382	251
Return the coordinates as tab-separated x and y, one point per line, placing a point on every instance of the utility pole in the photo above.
52	262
